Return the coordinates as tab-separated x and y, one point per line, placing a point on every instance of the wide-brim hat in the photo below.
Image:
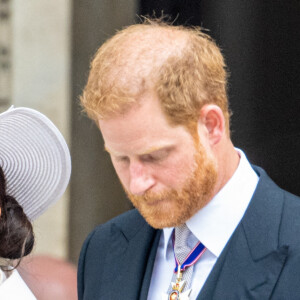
35	159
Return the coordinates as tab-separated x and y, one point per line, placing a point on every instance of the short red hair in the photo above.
183	66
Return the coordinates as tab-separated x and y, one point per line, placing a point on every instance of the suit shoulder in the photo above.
129	223
291	199
128	220
290	222
120	228
291	210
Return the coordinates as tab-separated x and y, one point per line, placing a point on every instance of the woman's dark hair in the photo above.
16	233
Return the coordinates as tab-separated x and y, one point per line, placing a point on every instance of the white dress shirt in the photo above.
14	287
213	225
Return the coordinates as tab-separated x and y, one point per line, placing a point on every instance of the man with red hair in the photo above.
207	224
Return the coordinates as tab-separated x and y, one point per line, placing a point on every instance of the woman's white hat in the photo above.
35	159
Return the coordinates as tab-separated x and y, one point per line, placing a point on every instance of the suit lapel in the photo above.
129	252
150	265
251	263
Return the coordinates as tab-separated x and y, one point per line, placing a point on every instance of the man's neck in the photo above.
228	161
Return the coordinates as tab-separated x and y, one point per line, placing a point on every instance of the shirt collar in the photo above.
2	276
14	287
214	224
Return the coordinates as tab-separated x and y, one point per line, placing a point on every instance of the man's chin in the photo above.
160	224
162	216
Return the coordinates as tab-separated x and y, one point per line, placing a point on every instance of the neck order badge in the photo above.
177	287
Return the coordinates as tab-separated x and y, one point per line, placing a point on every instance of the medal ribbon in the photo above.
191	258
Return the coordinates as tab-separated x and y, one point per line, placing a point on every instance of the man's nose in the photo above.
140	179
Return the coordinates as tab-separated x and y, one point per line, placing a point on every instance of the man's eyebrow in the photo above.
107	150
156	149
146	152
111	152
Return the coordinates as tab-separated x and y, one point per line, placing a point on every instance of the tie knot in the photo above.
181	235
181	246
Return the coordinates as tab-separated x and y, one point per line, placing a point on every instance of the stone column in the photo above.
5	54
40	56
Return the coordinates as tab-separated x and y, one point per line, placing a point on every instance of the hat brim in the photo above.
35	159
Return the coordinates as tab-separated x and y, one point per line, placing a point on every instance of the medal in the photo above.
177	287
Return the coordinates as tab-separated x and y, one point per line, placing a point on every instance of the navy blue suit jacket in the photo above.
260	261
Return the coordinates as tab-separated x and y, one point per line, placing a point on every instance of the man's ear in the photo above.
213	121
